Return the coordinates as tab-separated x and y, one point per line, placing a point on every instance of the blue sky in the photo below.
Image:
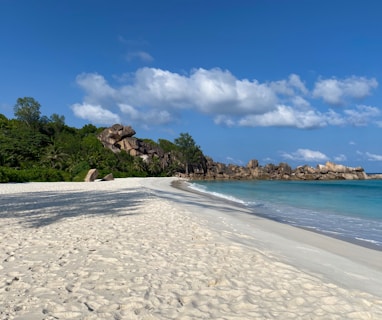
294	81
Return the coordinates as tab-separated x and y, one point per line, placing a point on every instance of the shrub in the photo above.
32	175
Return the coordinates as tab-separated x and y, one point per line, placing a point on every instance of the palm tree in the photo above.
139	165
54	156
154	166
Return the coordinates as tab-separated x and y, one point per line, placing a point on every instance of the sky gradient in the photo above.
293	81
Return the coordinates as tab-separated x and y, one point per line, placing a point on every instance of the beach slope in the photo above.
139	248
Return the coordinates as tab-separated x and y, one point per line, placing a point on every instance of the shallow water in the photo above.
350	210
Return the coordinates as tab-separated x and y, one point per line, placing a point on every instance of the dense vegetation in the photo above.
41	148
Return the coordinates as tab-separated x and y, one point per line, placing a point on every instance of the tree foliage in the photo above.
27	109
42	148
189	151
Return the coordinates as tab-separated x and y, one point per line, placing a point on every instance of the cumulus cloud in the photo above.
284	116
95	114
336	92
155	96
305	155
361	115
96	88
225	120
156	117
290	86
157	88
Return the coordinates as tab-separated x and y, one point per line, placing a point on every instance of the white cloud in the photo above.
157	88
361	115
222	119
287	116
153	96
218	91
333	118
140	55
369	156
335	92
96	88
300	103
129	110
269	160
95	114
305	155
373	157
153	117
296	82
284	116
234	161
209	91
288	87
340	158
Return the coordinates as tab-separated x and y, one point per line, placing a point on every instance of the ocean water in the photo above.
349	210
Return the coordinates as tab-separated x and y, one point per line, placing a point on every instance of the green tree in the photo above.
54	156
154	166
58	120
190	152
88	129
139	165
166	146
27	110
20	145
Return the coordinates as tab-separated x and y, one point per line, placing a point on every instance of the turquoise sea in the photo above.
349	210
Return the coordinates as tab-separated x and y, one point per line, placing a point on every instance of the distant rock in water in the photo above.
329	171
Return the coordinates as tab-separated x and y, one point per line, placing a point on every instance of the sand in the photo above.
141	249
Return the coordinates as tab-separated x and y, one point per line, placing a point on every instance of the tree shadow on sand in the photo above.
38	209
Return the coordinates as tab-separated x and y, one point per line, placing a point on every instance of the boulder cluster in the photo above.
283	171
119	137
92	175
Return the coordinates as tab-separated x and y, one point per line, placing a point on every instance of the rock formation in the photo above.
108	177
329	171
119	137
91	175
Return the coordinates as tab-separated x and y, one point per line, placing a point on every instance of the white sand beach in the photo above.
139	248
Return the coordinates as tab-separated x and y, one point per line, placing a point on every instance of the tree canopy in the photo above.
43	148
190	152
27	109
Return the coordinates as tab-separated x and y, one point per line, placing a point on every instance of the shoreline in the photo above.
139	248
369	245
312	246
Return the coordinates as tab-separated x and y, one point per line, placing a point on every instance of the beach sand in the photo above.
138	248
